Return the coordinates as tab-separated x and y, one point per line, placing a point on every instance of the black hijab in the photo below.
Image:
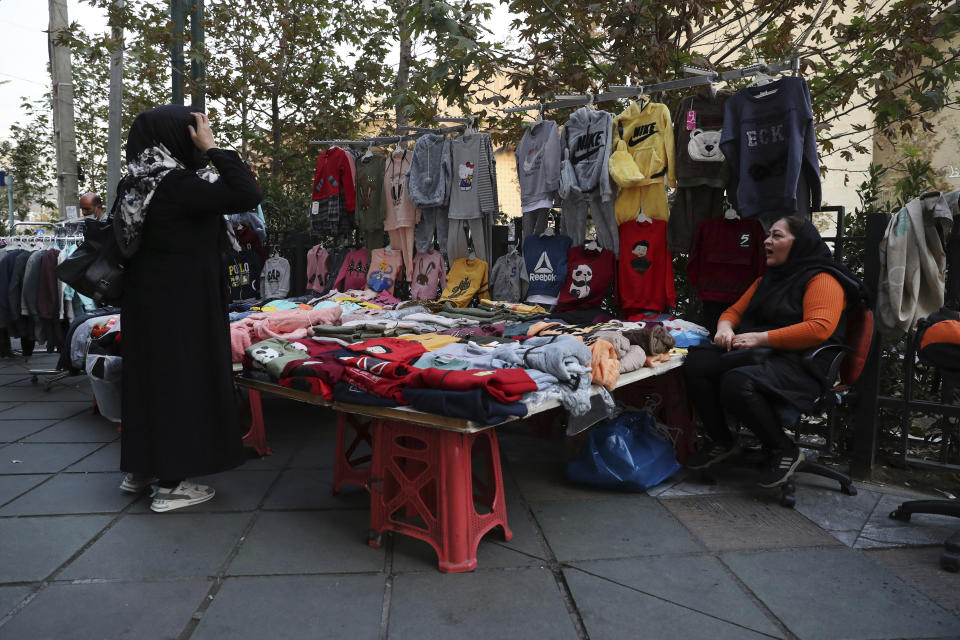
778	300
166	125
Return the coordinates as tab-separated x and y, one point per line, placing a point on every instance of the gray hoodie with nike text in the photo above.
586	144
538	166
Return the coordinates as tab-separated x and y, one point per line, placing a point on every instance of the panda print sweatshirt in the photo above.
697	126
589	276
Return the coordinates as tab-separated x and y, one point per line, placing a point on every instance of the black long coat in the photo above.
179	417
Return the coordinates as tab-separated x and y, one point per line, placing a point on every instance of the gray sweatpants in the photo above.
480	233
433	221
535	222
573	223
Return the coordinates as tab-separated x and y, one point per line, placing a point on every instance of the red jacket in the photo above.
333	177
727	257
505	385
645	274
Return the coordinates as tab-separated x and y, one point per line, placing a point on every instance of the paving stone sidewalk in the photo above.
275	555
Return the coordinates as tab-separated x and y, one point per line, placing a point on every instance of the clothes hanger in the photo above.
549	231
369	152
730	214
591	245
642	218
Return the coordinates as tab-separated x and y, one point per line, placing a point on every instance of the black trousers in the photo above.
715	390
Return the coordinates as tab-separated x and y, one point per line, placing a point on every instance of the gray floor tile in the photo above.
106	458
883	531
294	607
42	458
5	406
699	583
42	410
547	481
72	493
78	428
920	567
597	529
13	430
237	490
35	394
831	509
613	611
315	455
116	610
10	597
14	377
312	489
524	603
728	522
13	486
33	547
291	542
852	596
161	546
412	554
283	451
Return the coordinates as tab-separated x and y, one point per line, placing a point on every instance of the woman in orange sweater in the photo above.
755	362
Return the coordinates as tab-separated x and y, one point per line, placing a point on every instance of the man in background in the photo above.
91	205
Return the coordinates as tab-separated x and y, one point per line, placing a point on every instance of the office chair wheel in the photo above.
950	561
901	515
788	496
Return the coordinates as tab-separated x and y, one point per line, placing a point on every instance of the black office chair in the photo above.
844	371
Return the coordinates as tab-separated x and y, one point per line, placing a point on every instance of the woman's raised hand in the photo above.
202	135
724	337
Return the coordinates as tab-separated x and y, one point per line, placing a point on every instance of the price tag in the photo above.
691	120
71	212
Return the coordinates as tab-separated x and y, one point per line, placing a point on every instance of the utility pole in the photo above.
9	183
64	136
114	134
179	11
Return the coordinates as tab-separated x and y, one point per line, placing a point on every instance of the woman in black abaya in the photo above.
179	418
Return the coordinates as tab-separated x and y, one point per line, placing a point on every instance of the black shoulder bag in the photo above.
95	268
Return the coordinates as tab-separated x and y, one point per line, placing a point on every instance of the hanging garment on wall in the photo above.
243	274
353	271
473	194
467	279
334	193
912	265
645	273
318	273
643	159
771	149
691	206
401	214
546	260
371	204
727	257
589	276
538	166
509	280
428	276
384	270
275	279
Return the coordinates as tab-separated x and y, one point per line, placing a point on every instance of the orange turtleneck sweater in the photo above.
823	302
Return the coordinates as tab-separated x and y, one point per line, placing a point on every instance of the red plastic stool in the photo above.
423	484
346	464
256	437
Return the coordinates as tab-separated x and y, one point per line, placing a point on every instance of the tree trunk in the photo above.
403	69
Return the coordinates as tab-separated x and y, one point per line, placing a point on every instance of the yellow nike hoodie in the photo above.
645	132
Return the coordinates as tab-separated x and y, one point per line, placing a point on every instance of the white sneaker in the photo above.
135	483
184	494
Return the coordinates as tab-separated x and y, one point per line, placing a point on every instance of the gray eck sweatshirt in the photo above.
538	166
586	144
429	176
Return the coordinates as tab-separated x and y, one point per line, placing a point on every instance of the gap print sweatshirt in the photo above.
768	140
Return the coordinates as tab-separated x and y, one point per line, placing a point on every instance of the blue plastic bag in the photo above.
626	453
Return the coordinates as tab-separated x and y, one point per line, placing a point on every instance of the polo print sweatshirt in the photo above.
768	140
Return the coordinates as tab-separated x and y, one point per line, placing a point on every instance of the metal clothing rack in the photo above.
701	77
378	141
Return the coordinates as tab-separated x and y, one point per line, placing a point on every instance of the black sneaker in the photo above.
782	466
713	453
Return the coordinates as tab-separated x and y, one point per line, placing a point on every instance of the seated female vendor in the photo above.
755	362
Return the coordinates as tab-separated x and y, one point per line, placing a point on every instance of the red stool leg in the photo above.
346	466
256	437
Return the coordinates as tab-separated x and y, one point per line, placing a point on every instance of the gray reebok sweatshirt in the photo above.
538	166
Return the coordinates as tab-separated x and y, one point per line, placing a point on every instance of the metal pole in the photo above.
198	71
10	201
61	69
178	16
114	134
